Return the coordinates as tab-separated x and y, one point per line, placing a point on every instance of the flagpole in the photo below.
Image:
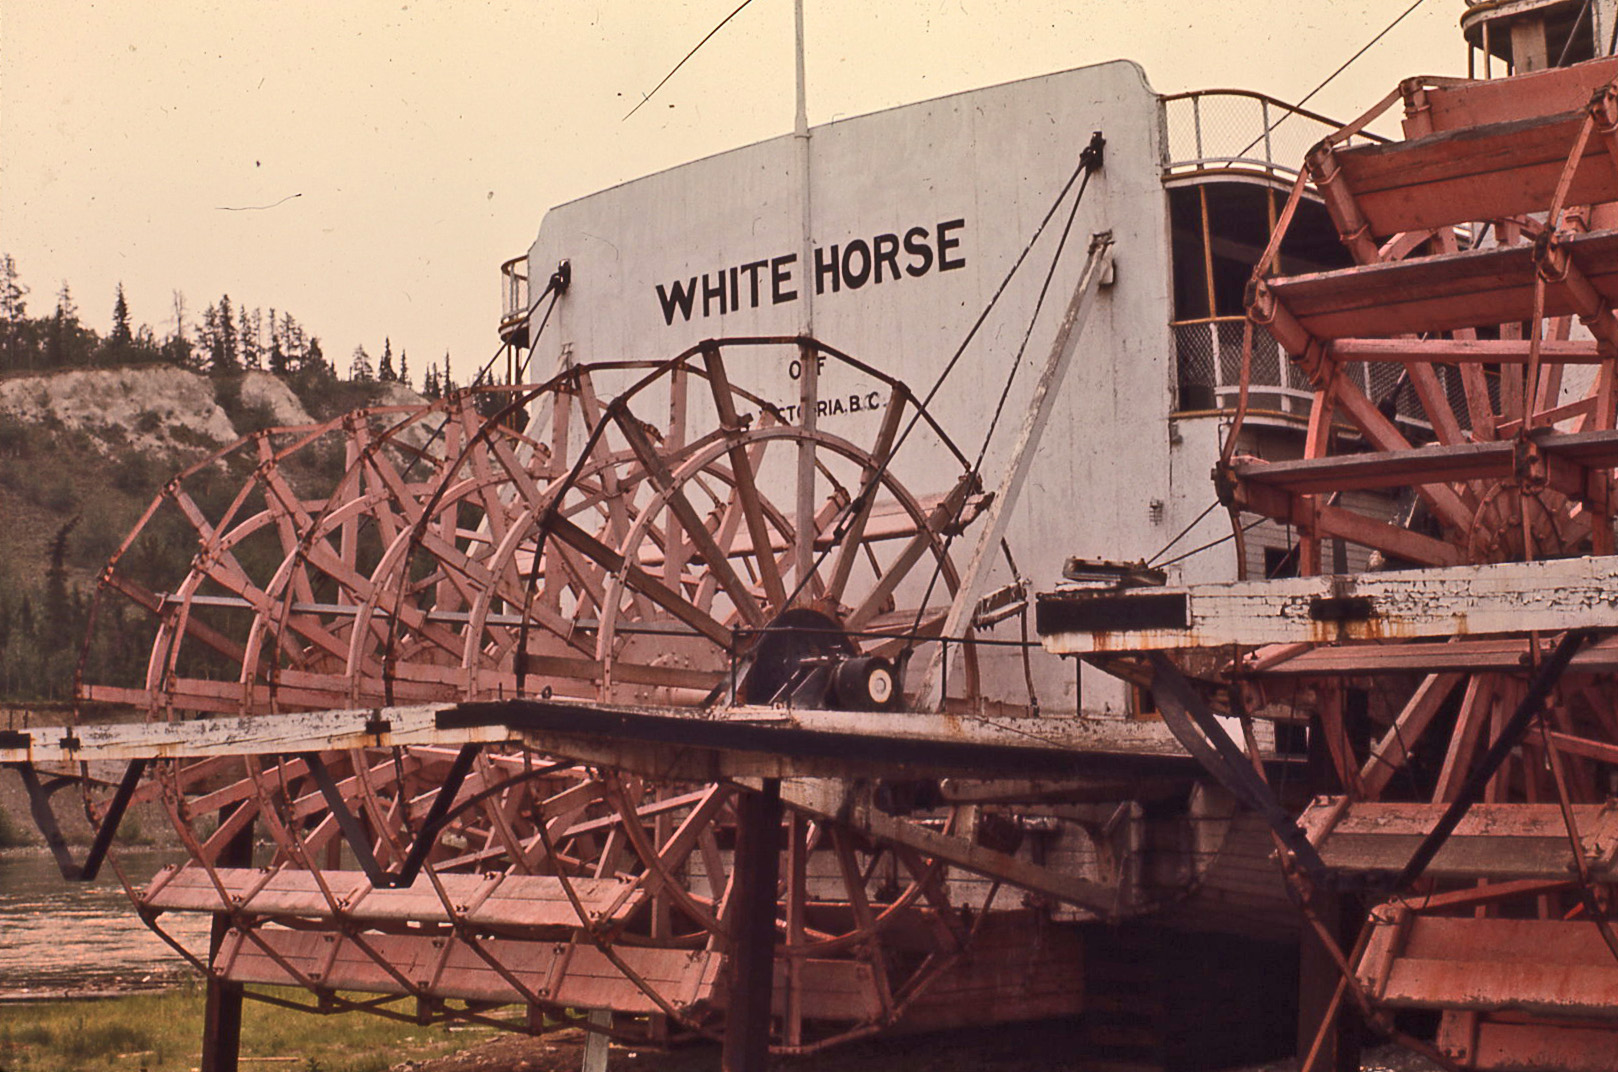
808	363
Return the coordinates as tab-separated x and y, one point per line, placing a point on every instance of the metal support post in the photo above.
752	959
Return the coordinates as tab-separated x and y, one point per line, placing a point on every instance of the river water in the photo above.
71	937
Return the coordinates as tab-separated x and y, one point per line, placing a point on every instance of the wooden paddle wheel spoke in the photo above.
850	935
730	512
744	465
693	528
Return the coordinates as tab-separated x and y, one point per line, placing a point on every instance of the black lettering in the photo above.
855	280
873	400
916	245
735	295
780	277
680	299
820	408
853	403
945	244
795	368
751	269
825	266
885	250
711	291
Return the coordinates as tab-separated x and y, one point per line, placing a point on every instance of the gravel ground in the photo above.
1022	1048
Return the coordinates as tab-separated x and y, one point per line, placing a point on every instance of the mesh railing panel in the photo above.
513	289
1208	362
1229	128
1208	367
1196	365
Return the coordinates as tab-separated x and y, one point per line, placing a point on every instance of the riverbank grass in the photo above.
162	1032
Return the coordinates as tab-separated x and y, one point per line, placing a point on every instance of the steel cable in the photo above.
1086	167
870	483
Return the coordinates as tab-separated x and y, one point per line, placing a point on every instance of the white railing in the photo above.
513	294
1235	130
1208	369
1208	362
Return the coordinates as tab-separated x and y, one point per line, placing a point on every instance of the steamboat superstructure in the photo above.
688	678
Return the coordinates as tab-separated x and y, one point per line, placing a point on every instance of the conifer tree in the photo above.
384	369
251	326
227	355
293	342
59	335
58	608
208	337
404	368
359	366
65	306
12	306
278	355
15	353
121	335
120	341
177	348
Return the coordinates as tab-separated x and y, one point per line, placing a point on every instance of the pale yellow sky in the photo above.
425	140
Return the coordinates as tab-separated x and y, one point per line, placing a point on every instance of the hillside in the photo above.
82	452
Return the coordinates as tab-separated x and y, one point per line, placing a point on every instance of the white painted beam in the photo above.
992	529
635	738
1512	597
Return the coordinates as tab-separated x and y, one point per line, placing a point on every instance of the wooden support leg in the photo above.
1318	976
596	1042
222	1009
752	960
222	1013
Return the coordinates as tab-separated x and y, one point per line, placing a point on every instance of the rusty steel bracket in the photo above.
39	806
1196	727
1509	737
354	833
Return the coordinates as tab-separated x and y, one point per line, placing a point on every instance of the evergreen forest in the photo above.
69	496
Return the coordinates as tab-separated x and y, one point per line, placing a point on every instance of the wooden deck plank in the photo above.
1473	173
1501	100
448	967
1465	351
1503	841
1462	656
1431	464
1552	989
515	901
1439	293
